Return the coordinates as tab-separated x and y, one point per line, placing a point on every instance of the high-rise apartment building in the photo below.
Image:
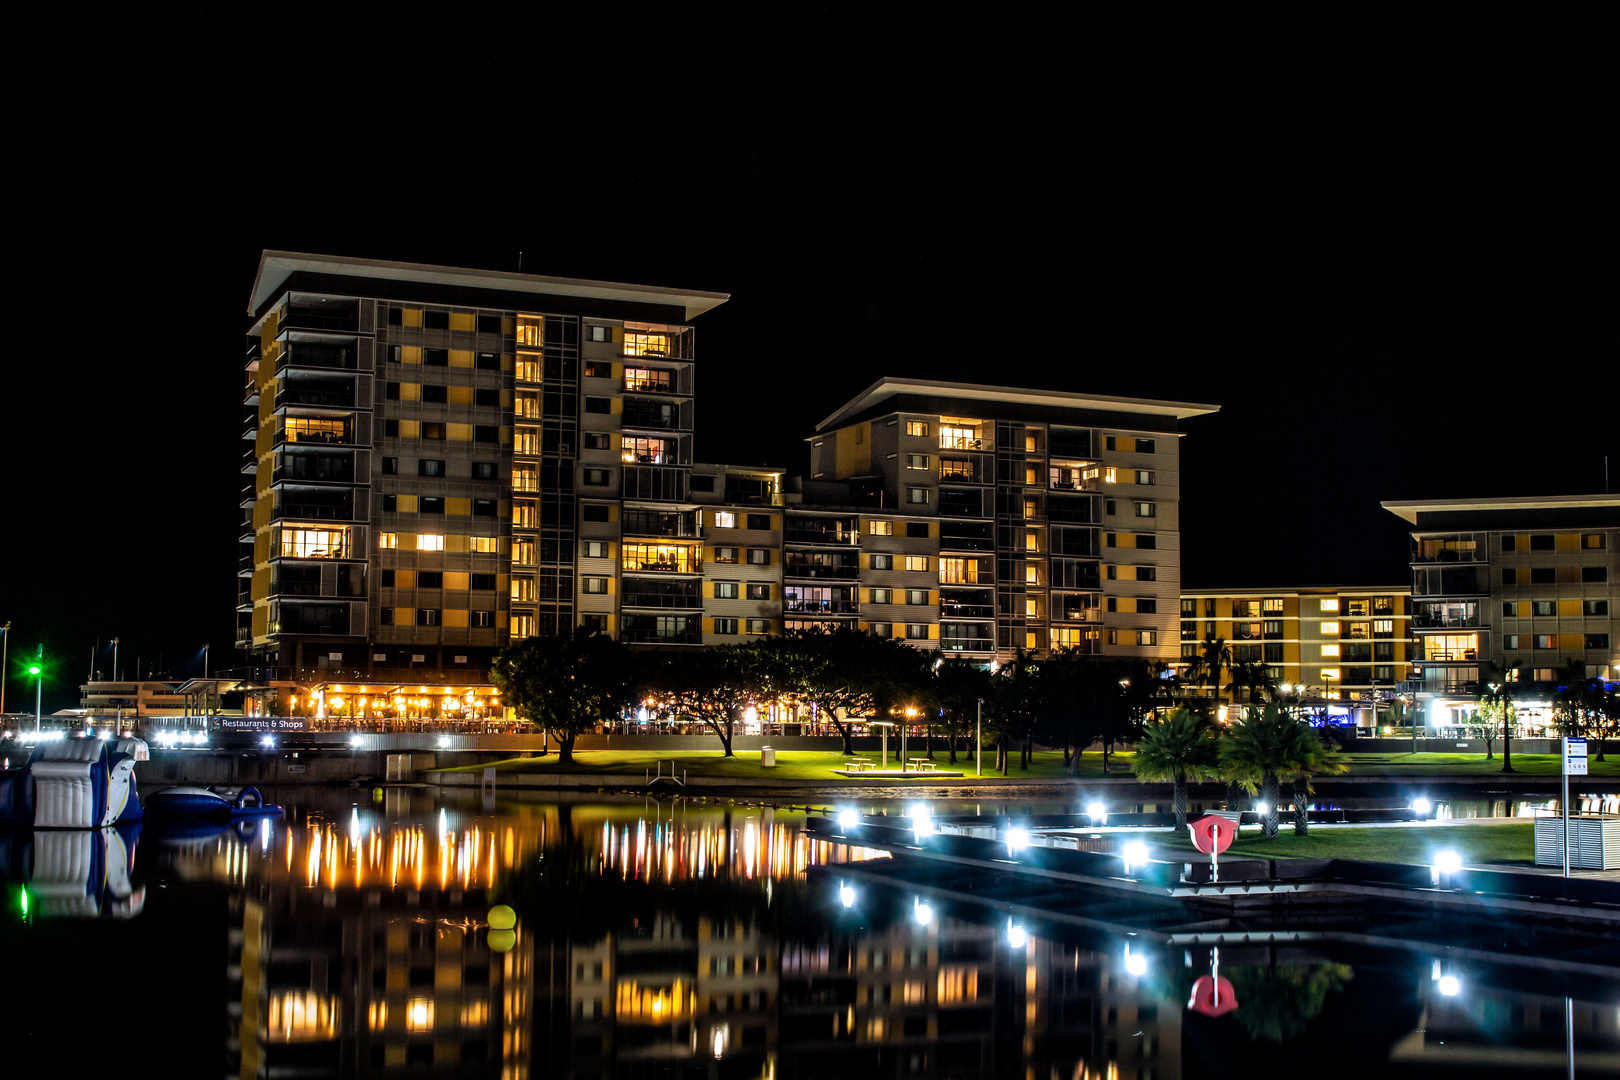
1511	589
439	458
443	460
984	519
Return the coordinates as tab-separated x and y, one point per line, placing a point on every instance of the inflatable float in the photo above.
73	784
198	802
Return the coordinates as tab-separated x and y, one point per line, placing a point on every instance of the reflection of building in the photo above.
1511	591
1345	644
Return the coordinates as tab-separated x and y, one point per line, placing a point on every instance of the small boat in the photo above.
197	802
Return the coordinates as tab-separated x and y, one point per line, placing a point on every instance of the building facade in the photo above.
1347	646
1513	592
983	519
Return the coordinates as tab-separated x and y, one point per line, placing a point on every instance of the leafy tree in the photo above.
715	685
958	688
1178	747
844	670
1018	705
1258	749
1214	657
1254	677
1275	1003
565	684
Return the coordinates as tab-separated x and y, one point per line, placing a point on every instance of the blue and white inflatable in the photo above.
73	784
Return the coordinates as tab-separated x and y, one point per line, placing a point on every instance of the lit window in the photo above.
430	541
917	597
725	519
952	437
525	479
597	549
917	427
759	556
522	625
637	343
1272	605
1330	651
759	626
595	586
531	330
725	590
1330	673
916	461
1147	509
917	563
523	515
959	571
528	368
880	528
314	544
523	552
1144	477
1330	605
917	495
725	554
386	541
1110	476
484	545
673	558
526	440
1147	637
654	379
1330	628
522	588
882	596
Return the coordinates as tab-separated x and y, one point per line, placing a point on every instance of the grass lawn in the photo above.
1397	765
1479	845
790	764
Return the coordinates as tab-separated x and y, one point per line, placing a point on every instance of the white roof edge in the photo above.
889	386
1409	509
276	266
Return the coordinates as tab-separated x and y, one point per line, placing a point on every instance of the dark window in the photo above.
1594	607
385	616
485	433
396	316
1147	573
436	357
394	353
594	513
1541	608
388	579
435	395
428	467
488	361
601	440
1147	605
483	470
391	428
1509	576
436	320
598	405
433	431
390	503
393	391
1146	541
431	504
427	616
1541	542
1189	608
699	483
483	508
430	579
1543	575
596	477
917	529
483	618
1110	539
1108	441
486	397
390	466
1509	543
1510	609
1113	604
1594	573
483	582
489	324
1145	446
598	369
760	521
1109	507
1597	641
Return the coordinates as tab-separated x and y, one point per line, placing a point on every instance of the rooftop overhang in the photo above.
1411	511
889	387
275	267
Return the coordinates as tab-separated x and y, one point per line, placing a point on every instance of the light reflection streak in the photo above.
348	852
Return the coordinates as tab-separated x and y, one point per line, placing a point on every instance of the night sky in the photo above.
1391	265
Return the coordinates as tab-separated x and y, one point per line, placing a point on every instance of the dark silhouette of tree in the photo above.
565	684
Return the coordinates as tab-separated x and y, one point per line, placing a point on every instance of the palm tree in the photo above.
1316	757
1177	747
1254	677
1214	657
1256	751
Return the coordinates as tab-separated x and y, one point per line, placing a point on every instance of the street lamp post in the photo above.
115	660
5	646
37	670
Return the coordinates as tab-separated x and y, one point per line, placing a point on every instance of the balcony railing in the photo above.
660	600
821	607
835	573
293	319
311	355
1442	622
639	636
843	538
973	645
966	611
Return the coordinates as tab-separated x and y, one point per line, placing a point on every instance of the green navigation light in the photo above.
33	669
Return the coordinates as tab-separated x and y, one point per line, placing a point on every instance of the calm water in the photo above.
352	939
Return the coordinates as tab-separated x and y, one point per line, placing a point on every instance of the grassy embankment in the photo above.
1047	765
1507	843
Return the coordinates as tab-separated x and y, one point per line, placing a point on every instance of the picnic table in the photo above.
858	764
919	763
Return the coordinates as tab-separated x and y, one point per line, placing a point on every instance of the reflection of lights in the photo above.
848	819
1097	812
1449	985
1016	936
1017	839
444	742
1421	806
1135	854
922	912
846	895
719	1042
1136	964
301	1016
419	1014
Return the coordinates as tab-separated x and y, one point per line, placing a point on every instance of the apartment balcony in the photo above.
803	571
313	511
948	610
341	320
949	544
651	636
318	356
847	537
967	644
960	442
821	607
1452	656
655	415
1452	549
329	398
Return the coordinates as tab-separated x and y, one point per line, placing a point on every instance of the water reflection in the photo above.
367	938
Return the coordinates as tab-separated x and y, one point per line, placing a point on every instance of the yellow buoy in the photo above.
501	940
502	917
